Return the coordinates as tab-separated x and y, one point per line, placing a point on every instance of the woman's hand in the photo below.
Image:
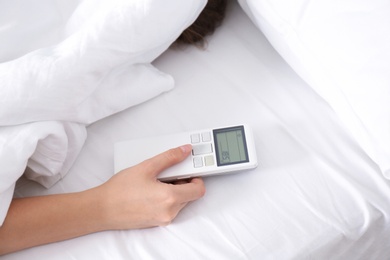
134	198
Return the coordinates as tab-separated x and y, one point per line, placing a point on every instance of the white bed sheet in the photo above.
315	195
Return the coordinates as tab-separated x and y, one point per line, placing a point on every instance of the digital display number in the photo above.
230	145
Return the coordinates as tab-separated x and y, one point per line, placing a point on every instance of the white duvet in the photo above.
93	63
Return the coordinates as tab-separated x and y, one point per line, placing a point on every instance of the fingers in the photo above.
136	199
172	198
167	159
190	191
183	192
179	196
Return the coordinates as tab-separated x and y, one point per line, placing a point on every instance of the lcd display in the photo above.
230	146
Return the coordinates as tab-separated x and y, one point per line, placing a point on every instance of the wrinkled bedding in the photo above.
316	194
97	65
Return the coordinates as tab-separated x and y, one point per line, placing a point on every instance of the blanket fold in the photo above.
98	64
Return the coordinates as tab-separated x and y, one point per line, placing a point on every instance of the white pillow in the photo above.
341	48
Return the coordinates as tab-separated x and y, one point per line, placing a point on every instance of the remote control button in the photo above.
202	149
209	160
195	138
198	162
206	137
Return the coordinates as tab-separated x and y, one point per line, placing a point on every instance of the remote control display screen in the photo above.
230	146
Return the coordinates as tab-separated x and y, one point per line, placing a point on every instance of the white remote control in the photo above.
214	151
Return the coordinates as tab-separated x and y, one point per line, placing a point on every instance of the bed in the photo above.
321	126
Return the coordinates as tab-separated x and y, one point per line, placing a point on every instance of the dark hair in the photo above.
206	23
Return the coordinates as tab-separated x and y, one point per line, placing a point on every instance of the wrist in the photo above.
96	209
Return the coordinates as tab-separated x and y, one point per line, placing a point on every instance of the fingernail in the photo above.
186	148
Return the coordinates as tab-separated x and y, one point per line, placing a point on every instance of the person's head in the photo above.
206	23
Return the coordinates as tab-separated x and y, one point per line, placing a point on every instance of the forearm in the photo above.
132	198
41	220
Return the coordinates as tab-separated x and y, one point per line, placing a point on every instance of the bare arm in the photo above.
133	198
40	220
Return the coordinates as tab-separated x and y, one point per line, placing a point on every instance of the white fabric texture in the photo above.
315	194
342	49
94	62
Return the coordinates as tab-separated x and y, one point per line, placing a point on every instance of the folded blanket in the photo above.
98	66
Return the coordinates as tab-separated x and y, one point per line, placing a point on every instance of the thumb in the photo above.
164	160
